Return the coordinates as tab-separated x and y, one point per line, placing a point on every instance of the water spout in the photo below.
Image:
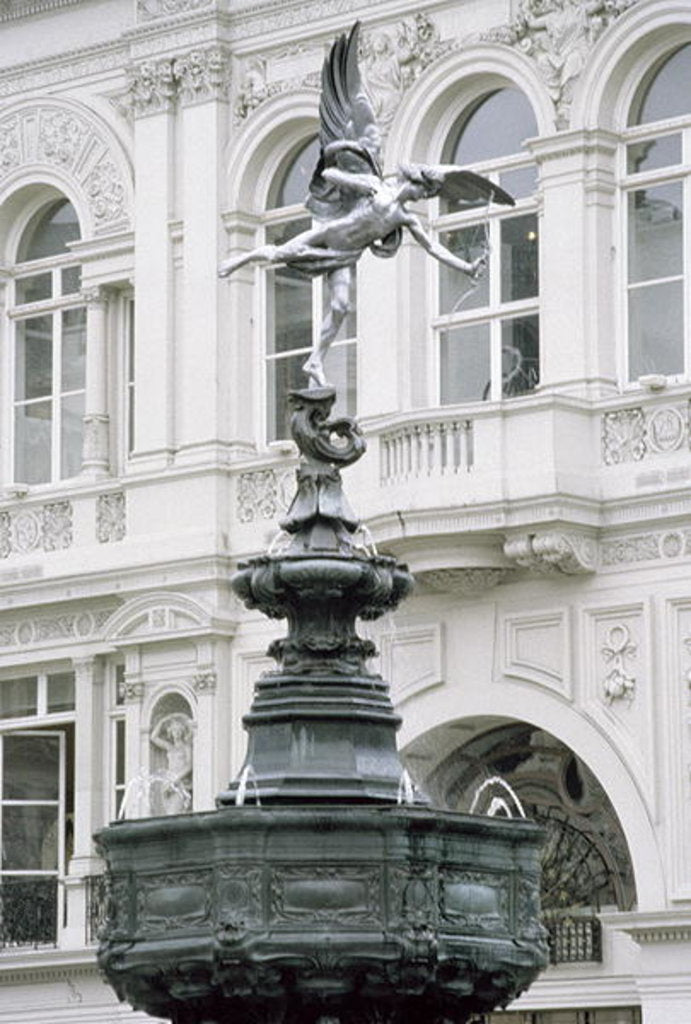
246	777
498	805
406	789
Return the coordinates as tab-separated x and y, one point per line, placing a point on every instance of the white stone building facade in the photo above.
529	443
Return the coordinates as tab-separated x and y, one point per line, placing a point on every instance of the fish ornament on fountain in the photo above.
324	889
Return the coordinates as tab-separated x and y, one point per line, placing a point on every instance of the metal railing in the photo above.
574	939
28	912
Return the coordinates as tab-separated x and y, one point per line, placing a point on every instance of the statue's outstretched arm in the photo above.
441	253
366	184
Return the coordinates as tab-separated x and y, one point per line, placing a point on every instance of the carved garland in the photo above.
65	139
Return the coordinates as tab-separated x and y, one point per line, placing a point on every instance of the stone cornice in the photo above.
28	966
32	75
18	9
652	927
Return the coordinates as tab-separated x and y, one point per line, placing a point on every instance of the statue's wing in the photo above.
468	189
348	135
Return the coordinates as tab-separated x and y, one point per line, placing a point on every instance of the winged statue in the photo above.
355	205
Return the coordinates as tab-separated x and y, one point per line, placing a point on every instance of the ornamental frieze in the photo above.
149	10
636	433
155	85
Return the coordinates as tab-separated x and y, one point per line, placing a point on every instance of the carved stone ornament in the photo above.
570	553
618	648
63	137
263	494
68	626
45	527
149	10
154	85
111	517
205	682
392	59
623	436
558	35
470	580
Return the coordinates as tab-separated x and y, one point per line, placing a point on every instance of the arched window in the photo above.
295	304
49	350
489	334
656	183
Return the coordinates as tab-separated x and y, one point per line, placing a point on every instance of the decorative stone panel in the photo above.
38	528
637	433
111	517
536	648
412	659
263	493
68	626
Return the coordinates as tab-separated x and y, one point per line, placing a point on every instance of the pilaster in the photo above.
88	794
152	98
95	451
577	174
203	376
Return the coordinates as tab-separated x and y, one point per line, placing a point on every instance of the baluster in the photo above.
469	444
417	435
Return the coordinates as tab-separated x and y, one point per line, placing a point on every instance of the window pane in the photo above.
120	752
669	92
655	232
465	364
33	371
32	434
656	329
72	415
18	697
289	310
283	375
71	280
50	231
31	767
496	127
348	328
341	371
521	182
73	348
646	156
520	355
30	838
292	185
456	290
519	265
61	691
35	288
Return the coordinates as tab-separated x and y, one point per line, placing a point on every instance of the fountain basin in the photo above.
291	913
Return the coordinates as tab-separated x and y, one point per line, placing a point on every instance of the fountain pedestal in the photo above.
322	897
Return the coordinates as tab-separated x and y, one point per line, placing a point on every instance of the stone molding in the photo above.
155	85
63	138
567	552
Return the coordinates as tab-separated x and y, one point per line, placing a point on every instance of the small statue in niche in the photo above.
356	207
174	734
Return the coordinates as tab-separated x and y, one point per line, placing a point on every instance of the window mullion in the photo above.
56	397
